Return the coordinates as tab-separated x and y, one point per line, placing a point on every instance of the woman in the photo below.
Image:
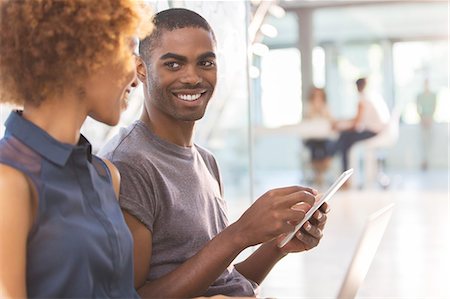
62	231
317	109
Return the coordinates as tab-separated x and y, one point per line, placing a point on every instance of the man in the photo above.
371	118
171	190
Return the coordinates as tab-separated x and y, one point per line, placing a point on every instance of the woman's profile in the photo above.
62	231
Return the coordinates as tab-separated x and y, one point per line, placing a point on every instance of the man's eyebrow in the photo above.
182	58
173	56
207	55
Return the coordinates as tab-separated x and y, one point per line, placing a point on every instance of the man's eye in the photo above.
208	63
172	65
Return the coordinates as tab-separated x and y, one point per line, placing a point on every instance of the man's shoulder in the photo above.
205	153
210	161
123	145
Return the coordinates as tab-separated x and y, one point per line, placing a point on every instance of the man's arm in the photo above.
193	277
267	218
359	115
260	263
350	124
142	248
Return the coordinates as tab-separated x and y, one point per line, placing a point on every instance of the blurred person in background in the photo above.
62	231
317	110
371	118
426	106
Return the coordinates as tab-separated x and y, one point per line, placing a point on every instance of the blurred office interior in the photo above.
270	53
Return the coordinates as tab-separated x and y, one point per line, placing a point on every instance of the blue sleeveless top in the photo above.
79	245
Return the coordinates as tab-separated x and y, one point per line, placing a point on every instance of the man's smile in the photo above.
190	96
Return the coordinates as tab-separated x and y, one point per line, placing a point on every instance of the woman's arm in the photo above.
17	205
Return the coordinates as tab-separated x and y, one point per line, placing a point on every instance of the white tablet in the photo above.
330	192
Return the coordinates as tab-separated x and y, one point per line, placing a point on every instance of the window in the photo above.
281	87
414	62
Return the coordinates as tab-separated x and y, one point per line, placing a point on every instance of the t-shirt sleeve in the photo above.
137	195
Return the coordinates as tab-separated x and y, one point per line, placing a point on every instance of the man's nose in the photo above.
191	76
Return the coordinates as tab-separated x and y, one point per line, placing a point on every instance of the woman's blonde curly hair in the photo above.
48	45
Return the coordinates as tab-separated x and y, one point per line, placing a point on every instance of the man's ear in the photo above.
141	70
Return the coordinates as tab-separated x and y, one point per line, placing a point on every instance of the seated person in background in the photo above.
317	109
372	116
171	190
62	231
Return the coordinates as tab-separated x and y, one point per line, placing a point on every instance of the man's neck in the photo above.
174	131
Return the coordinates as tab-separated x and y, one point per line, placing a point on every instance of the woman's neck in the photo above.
60	117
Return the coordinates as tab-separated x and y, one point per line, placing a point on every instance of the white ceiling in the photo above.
340	21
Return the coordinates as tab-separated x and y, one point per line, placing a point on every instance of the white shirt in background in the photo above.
375	114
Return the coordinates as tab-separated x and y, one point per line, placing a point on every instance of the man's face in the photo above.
181	74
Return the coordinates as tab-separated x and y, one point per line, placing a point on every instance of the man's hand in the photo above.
273	214
263	221
310	234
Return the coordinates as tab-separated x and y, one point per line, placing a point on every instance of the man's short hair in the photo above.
172	19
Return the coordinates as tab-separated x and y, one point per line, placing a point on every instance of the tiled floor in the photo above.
412	260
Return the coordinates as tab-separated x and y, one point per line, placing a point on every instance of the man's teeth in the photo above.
189	97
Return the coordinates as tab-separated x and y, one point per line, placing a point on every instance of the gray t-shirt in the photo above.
176	192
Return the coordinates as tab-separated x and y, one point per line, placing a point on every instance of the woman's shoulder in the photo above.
12	178
15	190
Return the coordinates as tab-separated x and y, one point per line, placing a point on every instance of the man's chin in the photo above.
192	117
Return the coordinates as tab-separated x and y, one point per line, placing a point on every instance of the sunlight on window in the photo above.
318	56
442	113
281	87
354	60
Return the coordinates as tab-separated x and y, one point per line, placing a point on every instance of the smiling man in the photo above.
171	189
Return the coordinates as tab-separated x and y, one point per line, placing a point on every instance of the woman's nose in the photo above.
135	81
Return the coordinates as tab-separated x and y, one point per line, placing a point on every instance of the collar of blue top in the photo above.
40	141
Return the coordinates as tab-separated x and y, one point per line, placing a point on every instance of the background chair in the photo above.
372	153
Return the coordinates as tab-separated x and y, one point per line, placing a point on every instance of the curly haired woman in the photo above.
62	231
